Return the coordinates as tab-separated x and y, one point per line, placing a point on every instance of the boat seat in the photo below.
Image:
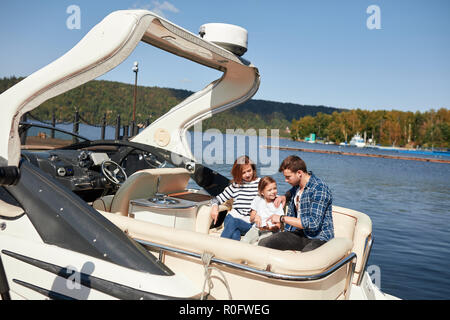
203	219
357	227
143	184
103	203
9	210
344	224
284	262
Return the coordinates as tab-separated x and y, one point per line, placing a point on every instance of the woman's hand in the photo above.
214	212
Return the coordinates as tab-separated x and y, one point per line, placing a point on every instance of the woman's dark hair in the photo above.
236	171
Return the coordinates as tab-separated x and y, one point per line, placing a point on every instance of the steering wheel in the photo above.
113	172
152	160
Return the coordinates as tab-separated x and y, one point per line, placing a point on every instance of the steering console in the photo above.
113	172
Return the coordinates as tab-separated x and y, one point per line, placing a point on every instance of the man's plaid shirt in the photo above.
315	209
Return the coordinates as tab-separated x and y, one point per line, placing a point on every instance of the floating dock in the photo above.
343	153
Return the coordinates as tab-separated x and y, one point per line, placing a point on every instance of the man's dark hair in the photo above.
293	163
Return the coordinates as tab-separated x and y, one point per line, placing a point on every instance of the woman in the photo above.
243	189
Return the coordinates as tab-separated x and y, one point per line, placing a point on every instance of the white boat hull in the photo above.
35	271
367	290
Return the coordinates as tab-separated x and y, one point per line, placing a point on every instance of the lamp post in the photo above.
135	70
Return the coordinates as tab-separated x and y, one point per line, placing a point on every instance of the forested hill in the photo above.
100	97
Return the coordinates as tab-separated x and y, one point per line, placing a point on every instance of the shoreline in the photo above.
358	154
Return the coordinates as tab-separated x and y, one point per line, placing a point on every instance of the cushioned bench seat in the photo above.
357	227
284	262
9	210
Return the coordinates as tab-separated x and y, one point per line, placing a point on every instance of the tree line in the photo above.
430	129
98	97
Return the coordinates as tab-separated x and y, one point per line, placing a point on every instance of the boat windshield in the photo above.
43	137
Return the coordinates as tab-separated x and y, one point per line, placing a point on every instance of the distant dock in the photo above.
358	154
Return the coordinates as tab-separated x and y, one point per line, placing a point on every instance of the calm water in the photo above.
408	202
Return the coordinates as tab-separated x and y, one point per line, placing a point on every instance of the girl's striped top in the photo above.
242	195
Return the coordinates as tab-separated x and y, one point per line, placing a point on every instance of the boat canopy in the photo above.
107	45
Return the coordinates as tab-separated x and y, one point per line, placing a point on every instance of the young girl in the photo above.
243	189
262	208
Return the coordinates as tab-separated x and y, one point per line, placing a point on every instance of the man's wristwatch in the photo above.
282	218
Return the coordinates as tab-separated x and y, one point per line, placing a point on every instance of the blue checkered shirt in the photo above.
315	209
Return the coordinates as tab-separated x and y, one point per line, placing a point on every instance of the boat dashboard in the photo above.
90	174
91	169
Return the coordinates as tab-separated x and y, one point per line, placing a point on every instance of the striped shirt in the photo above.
242	195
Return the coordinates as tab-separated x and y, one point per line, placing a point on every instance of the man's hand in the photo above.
279	200
275	222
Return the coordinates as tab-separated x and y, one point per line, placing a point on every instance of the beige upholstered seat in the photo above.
352	231
352	225
143	184
238	281
203	220
357	227
287	262
9	210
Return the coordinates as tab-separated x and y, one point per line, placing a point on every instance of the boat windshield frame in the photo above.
109	43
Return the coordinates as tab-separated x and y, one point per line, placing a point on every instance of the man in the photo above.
309	222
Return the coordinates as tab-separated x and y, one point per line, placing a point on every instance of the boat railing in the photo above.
349	259
365	258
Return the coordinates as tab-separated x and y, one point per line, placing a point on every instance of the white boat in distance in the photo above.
357	141
83	219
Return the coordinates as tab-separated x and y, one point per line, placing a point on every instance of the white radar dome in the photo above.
230	37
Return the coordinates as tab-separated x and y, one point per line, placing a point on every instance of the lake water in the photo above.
408	202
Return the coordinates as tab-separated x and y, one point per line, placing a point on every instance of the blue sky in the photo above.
308	52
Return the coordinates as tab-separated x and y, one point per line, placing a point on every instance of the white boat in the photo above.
357	141
105	220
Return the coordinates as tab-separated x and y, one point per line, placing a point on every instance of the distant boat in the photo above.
311	138
357	141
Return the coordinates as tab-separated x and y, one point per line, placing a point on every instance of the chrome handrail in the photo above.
348	281
366	255
265	273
